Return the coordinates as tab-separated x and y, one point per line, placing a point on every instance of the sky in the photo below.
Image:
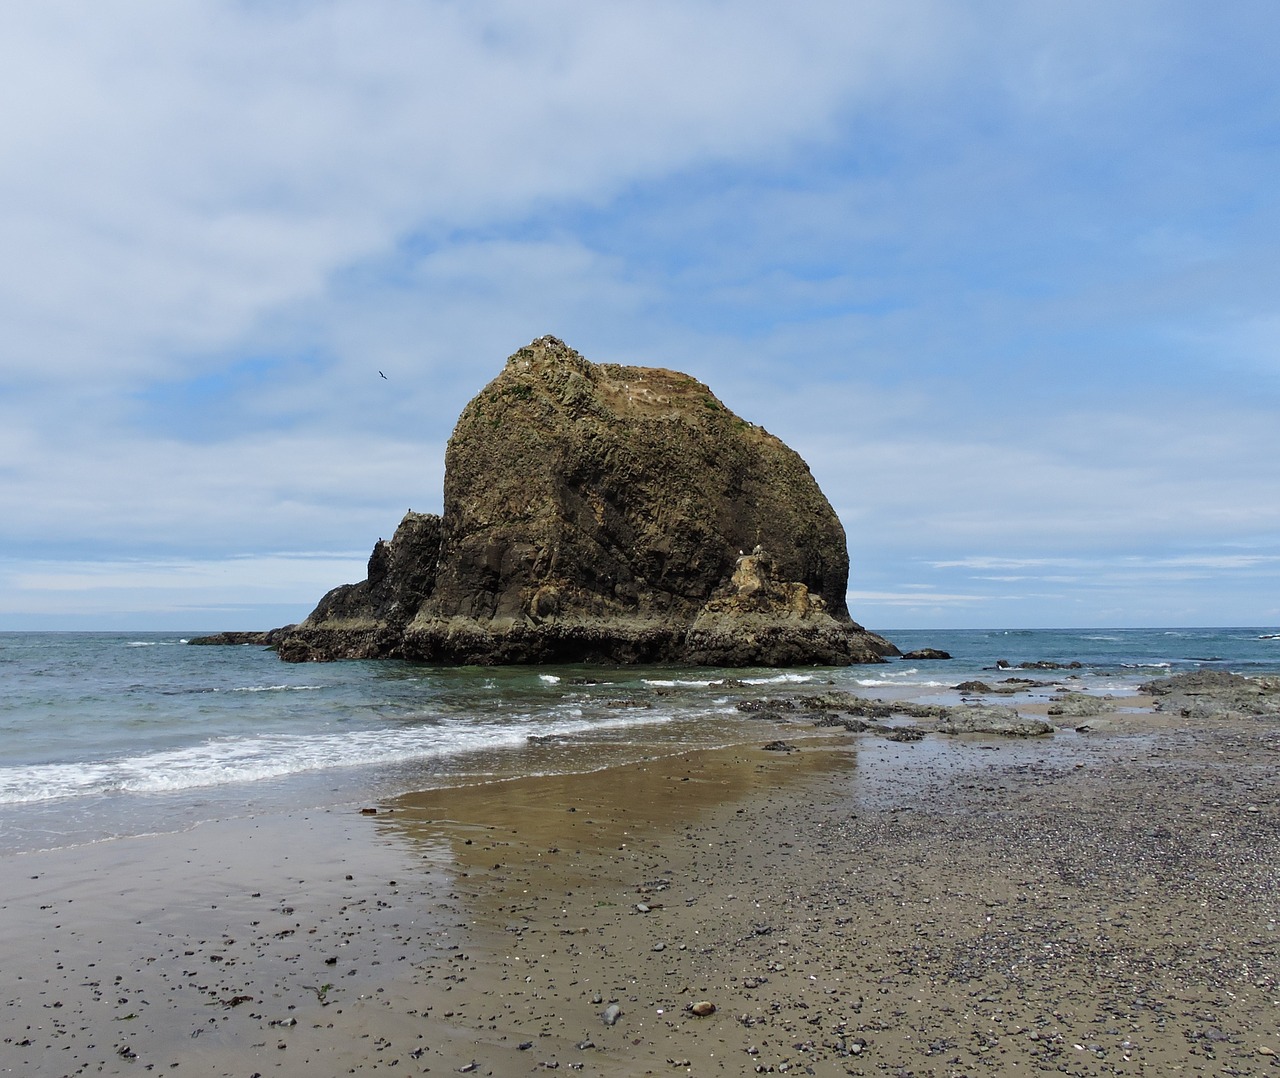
1007	275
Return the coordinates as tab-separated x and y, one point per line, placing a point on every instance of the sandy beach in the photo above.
1095	902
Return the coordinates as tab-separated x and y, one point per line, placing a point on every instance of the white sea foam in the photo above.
885	683
909	677
226	761
276	688
550	679
685	683
672	683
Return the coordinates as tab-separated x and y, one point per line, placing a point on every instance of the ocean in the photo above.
112	734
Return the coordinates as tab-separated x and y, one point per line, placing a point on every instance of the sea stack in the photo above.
601	513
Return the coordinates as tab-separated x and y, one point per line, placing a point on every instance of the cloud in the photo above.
176	173
176	593
163	496
1207	562
1005	280
917	598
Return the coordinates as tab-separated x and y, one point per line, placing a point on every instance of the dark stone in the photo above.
1004	721
599	513
927	653
268	639
1078	705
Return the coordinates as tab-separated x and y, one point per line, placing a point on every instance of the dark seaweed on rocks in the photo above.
600	513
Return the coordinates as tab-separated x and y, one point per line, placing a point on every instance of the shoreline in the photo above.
1099	903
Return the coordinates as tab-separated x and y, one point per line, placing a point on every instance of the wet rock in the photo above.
854	726
1078	705
1215	694
927	653
765	706
268	639
1004	721
610	1015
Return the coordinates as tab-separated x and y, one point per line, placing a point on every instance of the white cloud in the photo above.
1123	562
916	598
176	172
971	267
163	587
165	495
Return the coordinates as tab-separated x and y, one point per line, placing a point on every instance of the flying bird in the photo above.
384	376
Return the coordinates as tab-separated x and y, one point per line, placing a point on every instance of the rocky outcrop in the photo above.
858	714
1002	721
268	639
368	620
927	653
600	513
1079	705
1213	694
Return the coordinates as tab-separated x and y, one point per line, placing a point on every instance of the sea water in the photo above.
110	734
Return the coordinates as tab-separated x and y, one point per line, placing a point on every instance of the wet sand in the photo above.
1102	902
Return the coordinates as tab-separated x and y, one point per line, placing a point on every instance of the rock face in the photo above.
600	513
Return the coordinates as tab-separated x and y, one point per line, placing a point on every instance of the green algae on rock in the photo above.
602	513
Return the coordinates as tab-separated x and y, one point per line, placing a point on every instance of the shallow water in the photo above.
108	734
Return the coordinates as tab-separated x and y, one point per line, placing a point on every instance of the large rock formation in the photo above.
599	513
